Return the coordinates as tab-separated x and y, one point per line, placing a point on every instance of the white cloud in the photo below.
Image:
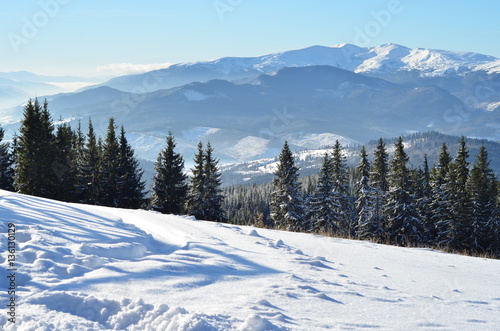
120	69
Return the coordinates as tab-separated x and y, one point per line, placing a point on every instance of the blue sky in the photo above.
103	37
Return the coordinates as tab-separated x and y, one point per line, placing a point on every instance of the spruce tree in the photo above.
130	187
64	163
110	161
438	228
6	165
212	194
368	224
195	202
35	152
379	180
340	175
87	185
423	199
404	227
286	200
169	182
482	189
323	205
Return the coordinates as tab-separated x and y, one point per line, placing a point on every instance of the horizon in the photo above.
55	37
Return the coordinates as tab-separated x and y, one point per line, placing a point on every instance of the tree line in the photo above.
453	205
54	161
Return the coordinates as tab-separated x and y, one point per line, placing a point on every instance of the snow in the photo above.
96	268
248	147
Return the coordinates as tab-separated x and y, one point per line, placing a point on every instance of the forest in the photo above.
452	205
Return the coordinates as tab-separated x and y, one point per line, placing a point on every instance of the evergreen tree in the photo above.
440	220
64	163
368	225
34	154
379	180
6	165
404	226
286	200
87	185
130	187
482	190
169	182
423	198
340	175
212	194
195	203
323	205
110	161
454	227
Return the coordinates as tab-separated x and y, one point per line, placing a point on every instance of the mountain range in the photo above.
311	97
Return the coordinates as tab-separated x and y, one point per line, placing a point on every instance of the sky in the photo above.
91	38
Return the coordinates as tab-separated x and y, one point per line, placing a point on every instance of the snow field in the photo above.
87	267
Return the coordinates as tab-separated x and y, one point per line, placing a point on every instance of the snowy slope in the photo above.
380	59
86	267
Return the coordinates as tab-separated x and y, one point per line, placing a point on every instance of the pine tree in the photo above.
323	205
195	202
482	190
87	185
35	152
286	200
368	224
109	168
6	165
212	194
169	182
404	226
340	175
130	187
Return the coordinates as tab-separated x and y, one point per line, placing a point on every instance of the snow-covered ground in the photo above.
95	268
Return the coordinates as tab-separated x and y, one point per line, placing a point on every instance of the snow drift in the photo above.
85	267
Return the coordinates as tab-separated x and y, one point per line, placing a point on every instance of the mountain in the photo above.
388	58
309	106
80	267
247	107
17	87
309	161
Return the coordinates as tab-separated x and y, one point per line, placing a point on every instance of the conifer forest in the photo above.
452	205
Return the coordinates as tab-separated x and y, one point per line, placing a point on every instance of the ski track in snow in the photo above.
96	268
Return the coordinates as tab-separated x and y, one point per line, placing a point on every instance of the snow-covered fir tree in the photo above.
169	182
345	210
286	197
423	198
437	228
6	165
379	180
323	205
368	224
482	189
403	226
